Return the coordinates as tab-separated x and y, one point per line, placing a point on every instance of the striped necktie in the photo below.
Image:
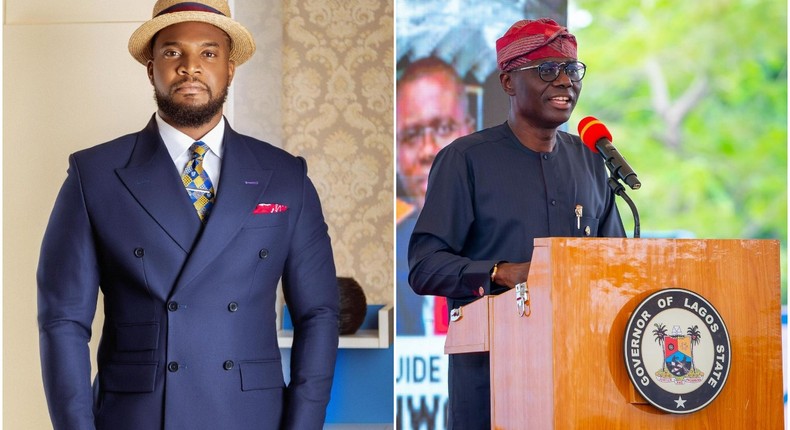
197	182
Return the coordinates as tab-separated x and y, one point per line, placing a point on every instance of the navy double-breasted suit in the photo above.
189	338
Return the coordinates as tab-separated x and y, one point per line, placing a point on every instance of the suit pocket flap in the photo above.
137	337
128	377
261	375
266	220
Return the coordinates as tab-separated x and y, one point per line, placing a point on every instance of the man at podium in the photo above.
490	194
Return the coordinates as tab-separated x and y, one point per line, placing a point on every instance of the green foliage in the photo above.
695	95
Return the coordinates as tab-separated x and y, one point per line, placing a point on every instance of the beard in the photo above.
190	116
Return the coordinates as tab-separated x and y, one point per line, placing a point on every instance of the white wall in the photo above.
66	86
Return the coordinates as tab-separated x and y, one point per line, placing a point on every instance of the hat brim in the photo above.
242	43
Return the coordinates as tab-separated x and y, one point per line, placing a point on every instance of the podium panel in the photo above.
472	333
562	366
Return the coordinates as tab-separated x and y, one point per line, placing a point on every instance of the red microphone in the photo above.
596	136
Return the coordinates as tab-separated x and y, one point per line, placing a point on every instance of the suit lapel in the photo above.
242	183
153	180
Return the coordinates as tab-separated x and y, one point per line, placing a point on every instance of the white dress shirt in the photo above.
178	144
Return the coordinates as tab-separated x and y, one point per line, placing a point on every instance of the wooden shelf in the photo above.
377	338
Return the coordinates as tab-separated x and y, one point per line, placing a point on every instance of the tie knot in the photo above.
199	148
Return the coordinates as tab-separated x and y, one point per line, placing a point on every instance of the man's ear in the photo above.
150	68
507	83
231	71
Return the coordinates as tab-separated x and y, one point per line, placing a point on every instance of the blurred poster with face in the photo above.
447	87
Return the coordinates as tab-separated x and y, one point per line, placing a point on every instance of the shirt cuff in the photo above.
477	277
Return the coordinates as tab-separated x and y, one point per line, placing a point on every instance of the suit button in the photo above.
263	254
172	306
233	306
139	252
227	365
172	366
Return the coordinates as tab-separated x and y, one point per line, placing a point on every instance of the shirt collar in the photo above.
177	142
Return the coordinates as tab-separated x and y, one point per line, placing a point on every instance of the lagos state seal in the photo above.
677	350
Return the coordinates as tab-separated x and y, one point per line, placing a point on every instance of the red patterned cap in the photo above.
529	40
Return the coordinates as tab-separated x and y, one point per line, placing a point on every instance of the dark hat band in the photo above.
189	7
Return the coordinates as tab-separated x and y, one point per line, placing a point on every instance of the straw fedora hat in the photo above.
214	12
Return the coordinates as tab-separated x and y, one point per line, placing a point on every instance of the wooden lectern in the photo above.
562	366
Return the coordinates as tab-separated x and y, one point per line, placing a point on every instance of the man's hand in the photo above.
510	274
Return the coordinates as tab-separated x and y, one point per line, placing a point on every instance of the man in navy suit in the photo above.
189	338
490	194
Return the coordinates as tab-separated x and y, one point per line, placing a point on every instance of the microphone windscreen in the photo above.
591	131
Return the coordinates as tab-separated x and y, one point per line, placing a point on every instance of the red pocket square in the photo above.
269	208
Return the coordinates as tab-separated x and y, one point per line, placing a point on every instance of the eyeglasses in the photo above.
441	130
550	70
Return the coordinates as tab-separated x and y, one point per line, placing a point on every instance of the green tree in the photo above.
695	95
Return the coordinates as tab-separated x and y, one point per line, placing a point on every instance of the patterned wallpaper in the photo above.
337	112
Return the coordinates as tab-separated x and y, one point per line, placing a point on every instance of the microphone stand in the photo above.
619	190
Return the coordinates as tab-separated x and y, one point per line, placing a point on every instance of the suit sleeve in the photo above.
310	289
68	285
436	266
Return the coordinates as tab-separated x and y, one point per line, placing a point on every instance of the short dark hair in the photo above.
430	66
